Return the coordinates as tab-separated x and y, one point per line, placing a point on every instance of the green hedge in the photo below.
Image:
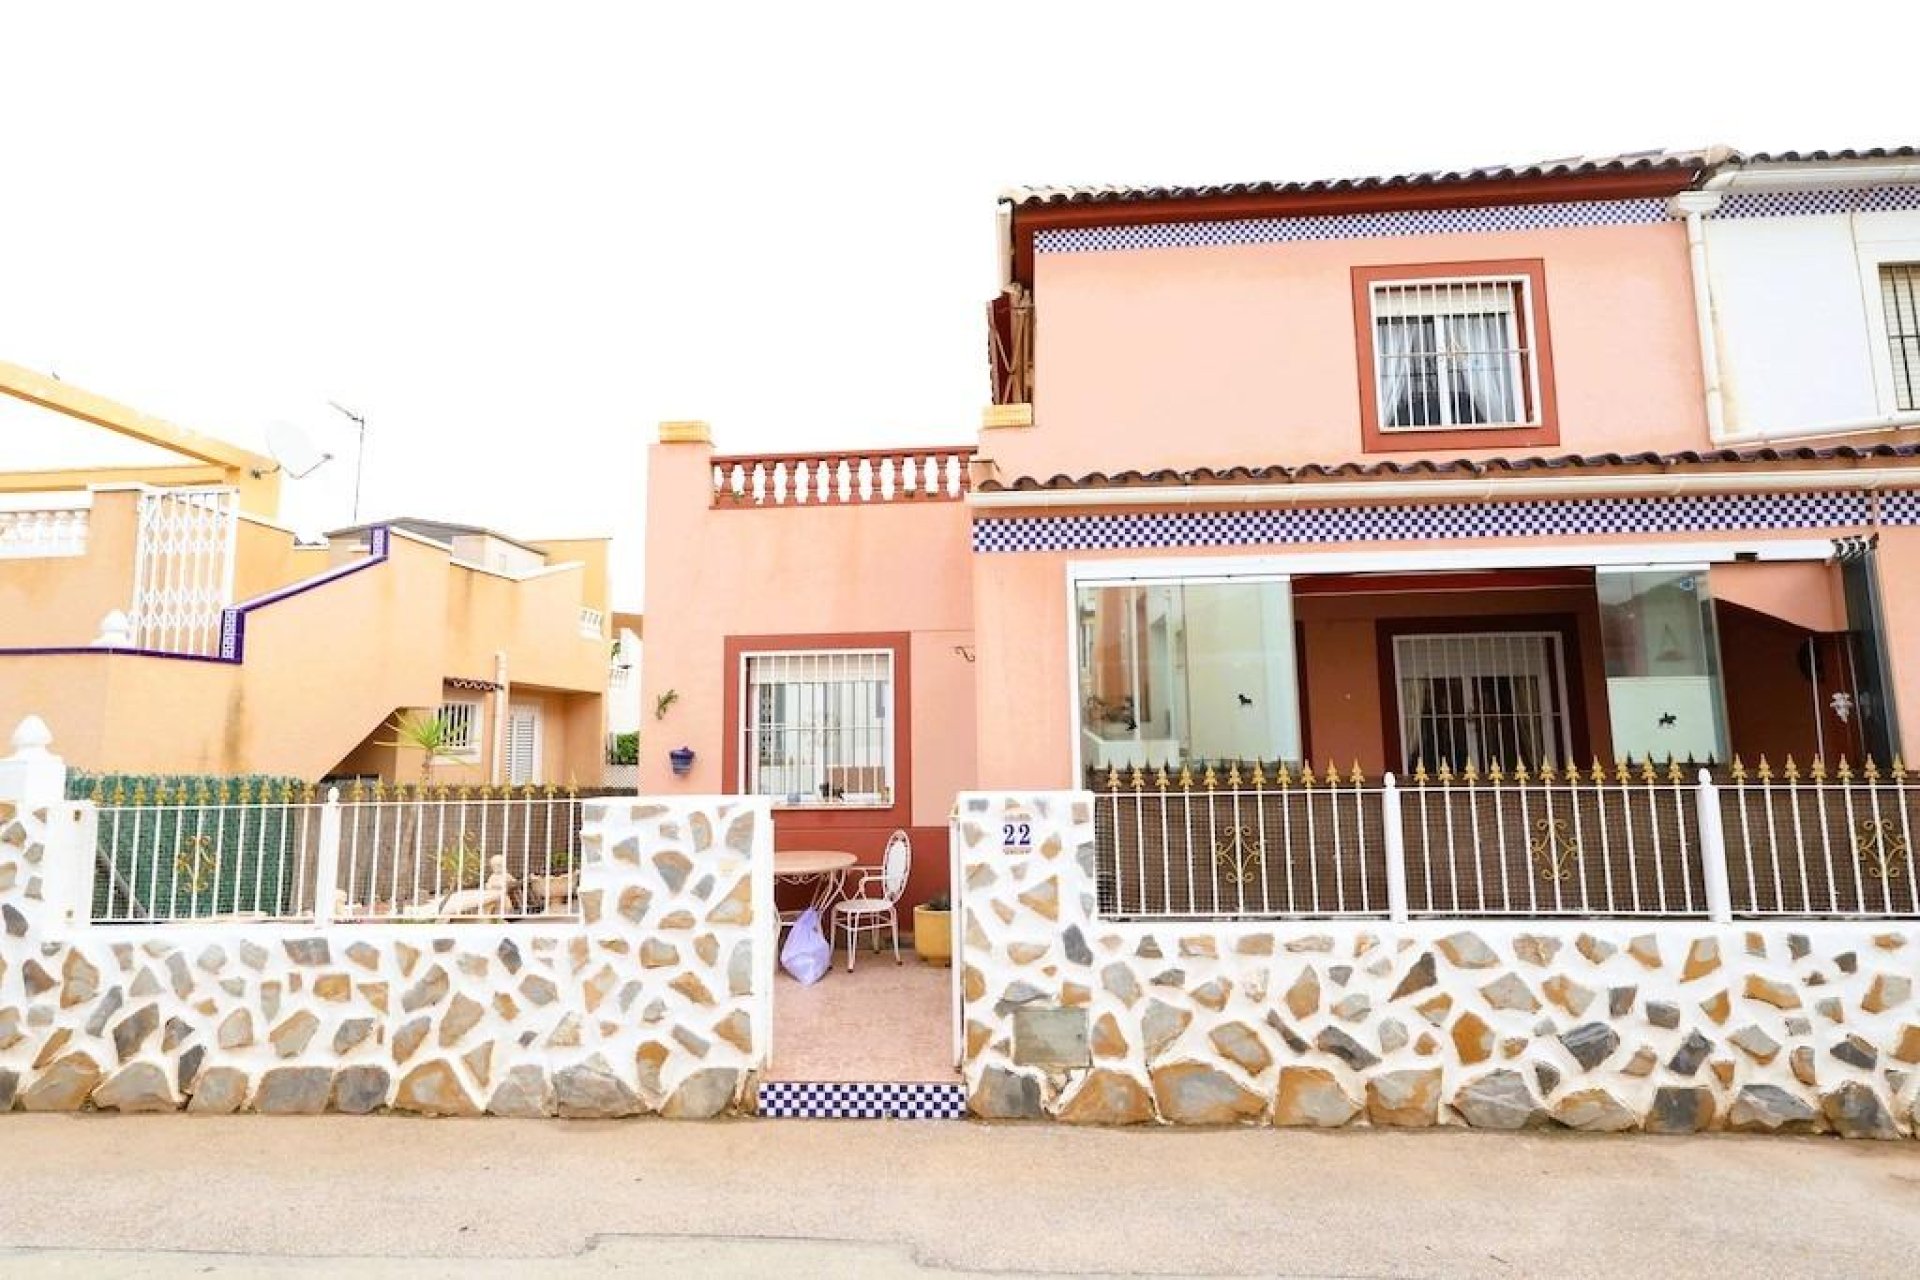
184	846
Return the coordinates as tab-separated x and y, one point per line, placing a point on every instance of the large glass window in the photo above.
818	727
1663	665
1181	673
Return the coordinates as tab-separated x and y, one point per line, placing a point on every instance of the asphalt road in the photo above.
109	1196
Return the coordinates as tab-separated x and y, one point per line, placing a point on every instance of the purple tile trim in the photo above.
115	649
233	619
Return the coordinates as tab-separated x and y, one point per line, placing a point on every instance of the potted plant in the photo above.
554	890
681	758
933	930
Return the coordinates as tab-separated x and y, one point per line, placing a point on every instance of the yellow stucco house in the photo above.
162	621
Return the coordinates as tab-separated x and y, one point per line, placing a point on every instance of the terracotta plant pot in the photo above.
933	935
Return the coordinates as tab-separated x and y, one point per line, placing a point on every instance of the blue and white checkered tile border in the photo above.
1431	222
1801	204
1434	521
825	1100
1357	226
1900	506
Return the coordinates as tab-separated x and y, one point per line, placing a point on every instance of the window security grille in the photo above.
819	727
461	720
1453	354
1900	299
1483	698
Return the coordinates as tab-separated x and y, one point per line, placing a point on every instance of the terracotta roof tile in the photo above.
1569	167
1814	157
1280	474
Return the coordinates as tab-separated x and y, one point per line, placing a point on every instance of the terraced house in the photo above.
1499	544
1405	650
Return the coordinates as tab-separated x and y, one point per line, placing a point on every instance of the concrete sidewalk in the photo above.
98	1195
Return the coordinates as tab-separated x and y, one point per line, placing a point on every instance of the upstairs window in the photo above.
1453	356
1900	304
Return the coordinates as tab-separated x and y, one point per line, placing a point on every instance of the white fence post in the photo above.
1713	852
1395	842
326	863
33	777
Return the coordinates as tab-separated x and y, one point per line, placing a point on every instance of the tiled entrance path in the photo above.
881	1023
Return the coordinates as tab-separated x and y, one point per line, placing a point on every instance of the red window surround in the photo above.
1535	332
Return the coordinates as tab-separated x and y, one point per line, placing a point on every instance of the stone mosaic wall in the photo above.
655	1002
1668	1028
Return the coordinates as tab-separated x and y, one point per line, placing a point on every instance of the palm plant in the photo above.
425	731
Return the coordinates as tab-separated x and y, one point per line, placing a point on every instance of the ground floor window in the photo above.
818	726
460	727
1179	672
1482	697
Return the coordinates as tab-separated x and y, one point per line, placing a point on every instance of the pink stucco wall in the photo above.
888	568
1025	670
1247	355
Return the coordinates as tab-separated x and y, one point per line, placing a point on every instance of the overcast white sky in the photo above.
515	237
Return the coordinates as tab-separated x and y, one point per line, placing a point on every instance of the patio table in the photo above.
824	869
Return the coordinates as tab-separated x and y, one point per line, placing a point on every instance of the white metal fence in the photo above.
368	855
1248	841
1229	842
1836	844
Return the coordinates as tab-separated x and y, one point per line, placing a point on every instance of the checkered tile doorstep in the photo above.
820	1100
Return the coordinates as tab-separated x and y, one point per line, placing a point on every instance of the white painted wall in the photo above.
1797	310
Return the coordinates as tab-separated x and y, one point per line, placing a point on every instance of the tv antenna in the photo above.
359	452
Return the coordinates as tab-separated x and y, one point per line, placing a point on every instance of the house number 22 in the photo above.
1017	836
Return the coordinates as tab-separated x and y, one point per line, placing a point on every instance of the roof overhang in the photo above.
1030	217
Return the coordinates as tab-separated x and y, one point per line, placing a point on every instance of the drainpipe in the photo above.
499	717
1003	223
1694	206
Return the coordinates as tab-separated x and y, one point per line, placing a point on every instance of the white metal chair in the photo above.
874	902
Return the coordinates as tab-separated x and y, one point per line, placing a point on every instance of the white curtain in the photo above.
1479	370
1406	371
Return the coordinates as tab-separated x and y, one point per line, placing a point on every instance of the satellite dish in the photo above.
295	450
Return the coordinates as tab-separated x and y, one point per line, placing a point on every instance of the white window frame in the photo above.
889	725
1875	254
476	725
1523	365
